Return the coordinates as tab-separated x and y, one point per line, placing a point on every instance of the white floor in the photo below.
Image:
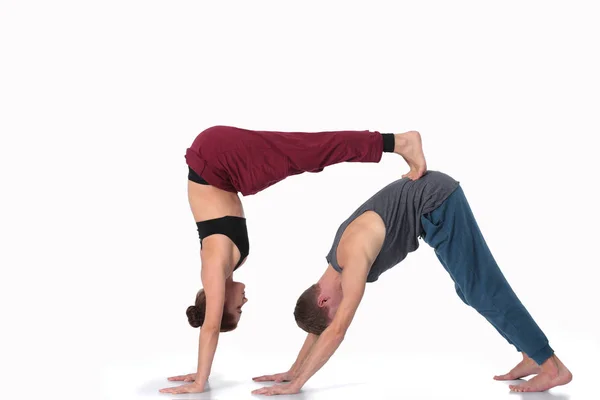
363	377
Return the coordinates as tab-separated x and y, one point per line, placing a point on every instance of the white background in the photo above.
99	255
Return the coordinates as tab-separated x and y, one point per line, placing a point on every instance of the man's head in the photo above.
317	306
235	298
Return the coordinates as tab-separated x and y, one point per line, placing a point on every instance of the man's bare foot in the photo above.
554	373
409	146
525	368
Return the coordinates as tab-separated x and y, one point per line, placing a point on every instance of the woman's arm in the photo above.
213	281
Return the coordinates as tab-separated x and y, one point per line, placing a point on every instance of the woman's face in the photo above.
235	299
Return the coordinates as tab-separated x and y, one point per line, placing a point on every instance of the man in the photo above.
376	237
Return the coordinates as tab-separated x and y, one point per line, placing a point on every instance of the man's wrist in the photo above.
298	380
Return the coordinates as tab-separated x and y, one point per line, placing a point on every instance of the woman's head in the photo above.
235	298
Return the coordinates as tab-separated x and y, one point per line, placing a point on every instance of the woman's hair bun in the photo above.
195	317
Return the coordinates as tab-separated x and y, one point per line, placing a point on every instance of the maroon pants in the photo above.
245	161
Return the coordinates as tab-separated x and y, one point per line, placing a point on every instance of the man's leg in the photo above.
525	368
452	231
462	297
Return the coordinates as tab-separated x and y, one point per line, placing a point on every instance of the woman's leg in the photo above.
249	161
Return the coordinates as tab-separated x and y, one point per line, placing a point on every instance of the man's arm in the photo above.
354	278
293	371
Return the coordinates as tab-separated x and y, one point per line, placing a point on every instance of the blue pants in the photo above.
452	231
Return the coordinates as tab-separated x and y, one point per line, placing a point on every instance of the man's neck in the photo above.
330	277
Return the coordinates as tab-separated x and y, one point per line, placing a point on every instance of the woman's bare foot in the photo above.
409	146
525	368
554	373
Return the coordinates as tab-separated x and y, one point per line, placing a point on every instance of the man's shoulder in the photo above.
362	239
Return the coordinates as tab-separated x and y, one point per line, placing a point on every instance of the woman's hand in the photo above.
183	378
189	388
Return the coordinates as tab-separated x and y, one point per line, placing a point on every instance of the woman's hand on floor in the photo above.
183	378
189	388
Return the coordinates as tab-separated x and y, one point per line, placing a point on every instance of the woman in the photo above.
226	160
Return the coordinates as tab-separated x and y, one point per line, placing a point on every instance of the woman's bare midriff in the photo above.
209	202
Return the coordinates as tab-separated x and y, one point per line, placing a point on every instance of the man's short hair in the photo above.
309	316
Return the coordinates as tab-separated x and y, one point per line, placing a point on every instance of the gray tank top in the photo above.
400	205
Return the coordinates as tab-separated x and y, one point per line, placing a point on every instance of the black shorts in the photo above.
194	177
